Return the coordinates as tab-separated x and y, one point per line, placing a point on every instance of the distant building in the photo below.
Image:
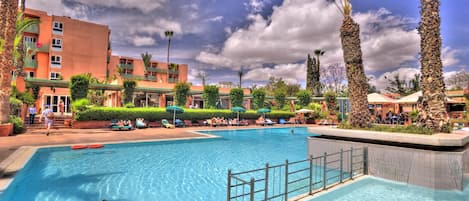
60	47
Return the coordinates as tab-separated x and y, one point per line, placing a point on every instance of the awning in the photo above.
376	98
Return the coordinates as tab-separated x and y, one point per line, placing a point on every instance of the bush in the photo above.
211	96
129	88
129	105
258	98
414	115
18	125
156	114
236	97
79	86
80	105
27	98
182	90
411	129
304	97
331	101
15	106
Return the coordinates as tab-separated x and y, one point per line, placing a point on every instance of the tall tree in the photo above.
169	35
433	113
146	57
357	81
317	73
202	75
240	75
8	14
309	73
333	78
20	47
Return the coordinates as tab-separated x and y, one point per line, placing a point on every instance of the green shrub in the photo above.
211	96
15	106
331	101
80	105
411	129
258	98
129	105
129	88
18	125
304	97
156	114
182	90
236	97
27	98
79	86
414	115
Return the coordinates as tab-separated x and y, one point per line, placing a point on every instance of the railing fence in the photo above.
306	177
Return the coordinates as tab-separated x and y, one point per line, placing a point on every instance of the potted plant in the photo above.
6	129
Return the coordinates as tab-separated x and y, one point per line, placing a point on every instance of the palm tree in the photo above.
357	81
20	48
433	113
316	75
8	14
168	35
146	57
240	75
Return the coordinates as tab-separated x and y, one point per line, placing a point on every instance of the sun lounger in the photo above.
120	126
269	122
140	123
166	124
188	122
179	123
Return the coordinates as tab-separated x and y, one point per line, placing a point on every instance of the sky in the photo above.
270	37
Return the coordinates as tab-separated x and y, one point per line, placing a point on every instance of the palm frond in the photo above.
347	6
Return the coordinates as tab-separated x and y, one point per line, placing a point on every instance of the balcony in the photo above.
126	66
32	29
172	80
36	47
173	71
157	70
131	76
150	78
29	63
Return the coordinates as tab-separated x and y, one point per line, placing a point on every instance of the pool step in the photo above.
15	161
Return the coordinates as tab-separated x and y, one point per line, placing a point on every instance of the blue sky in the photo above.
269	37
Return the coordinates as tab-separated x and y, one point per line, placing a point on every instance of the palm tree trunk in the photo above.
357	82
20	48
169	44
8	13
433	112
309	75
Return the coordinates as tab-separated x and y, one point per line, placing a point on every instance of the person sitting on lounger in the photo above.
140	123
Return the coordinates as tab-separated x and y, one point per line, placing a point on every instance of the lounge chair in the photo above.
166	124
260	122
179	123
140	123
114	122
282	121
188	123
122	126
269	122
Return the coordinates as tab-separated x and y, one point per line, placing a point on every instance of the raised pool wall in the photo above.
433	169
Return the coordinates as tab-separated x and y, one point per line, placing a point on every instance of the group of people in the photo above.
47	114
221	121
392	118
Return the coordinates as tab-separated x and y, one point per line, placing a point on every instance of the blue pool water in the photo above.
374	189
187	170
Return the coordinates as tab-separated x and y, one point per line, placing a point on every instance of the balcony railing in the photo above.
131	76
172	80
126	66
150	78
39	47
157	70
173	71
30	63
32	29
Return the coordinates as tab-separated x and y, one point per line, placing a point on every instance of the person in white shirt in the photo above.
48	116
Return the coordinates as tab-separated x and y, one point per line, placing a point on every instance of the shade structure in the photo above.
238	110
376	98
304	111
263	111
175	110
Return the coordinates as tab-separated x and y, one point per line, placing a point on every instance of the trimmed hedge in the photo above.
156	114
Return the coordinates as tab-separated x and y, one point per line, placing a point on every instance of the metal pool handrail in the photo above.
291	179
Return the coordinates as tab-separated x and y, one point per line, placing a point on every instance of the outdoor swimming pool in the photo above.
171	171
375	189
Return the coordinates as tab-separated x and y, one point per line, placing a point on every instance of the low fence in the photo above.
291	179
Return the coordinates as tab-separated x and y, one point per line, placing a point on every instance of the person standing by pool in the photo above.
32	113
48	115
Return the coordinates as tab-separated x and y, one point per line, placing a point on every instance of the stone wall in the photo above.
434	169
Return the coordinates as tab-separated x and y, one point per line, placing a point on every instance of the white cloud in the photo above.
256	6
216	19
145	6
56	7
291	73
297	27
383	80
143	41
449	57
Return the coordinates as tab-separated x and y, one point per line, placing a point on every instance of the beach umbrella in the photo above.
263	111
175	110
304	111
238	110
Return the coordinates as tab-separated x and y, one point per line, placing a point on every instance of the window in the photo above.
55	61
54	76
29	39
29	74
57	27
57	43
